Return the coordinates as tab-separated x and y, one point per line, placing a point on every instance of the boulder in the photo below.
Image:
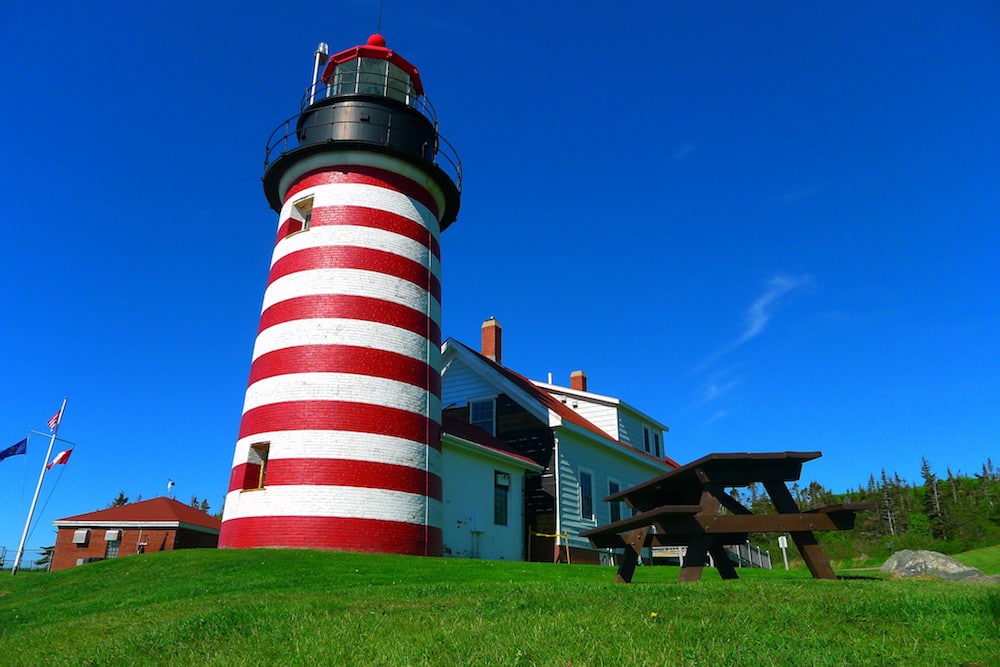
932	565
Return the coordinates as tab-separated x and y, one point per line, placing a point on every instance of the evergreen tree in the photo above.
45	560
122	499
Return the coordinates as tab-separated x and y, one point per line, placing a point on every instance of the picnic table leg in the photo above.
812	553
722	562
695	560
635	540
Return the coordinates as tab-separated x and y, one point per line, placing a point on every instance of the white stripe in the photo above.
342	387
366	196
358	237
352	282
336	331
343	445
359	158
333	501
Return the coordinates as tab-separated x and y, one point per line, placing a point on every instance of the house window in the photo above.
256	470
586	495
656	444
501	497
483	414
616	507
645	438
111	549
81	537
301	216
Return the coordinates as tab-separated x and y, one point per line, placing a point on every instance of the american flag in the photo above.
54	420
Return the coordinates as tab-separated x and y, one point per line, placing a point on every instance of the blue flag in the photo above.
14	450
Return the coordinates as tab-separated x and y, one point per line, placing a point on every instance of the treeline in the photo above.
948	514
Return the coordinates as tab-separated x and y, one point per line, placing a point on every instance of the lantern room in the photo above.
367	98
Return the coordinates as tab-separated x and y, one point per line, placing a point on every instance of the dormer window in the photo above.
482	413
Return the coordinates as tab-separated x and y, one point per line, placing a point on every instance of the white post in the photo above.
34	501
783	543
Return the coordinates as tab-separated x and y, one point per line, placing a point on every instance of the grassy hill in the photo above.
291	607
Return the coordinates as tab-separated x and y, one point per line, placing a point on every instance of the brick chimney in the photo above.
578	381
492	338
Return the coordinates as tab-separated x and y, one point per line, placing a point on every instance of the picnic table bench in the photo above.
682	508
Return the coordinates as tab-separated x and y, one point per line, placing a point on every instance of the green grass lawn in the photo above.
985	560
292	607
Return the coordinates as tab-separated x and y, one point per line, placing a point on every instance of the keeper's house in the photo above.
558	451
159	524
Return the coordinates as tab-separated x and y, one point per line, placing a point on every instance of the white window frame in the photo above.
302	213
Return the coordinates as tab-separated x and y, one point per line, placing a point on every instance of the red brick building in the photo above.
160	524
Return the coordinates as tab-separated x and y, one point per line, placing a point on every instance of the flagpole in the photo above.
38	489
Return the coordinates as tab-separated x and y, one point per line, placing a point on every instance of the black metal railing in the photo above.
288	136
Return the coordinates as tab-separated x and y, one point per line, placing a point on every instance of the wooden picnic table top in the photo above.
684	485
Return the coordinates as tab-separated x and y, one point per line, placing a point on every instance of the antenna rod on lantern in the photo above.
34	501
321	55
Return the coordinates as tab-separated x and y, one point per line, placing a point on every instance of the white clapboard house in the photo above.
526	465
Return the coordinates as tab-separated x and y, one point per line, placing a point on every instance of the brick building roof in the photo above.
160	510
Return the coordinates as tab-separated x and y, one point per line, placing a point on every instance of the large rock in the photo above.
932	565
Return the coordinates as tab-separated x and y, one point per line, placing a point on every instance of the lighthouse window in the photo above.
372	76
256	469
300	217
345	78
398	84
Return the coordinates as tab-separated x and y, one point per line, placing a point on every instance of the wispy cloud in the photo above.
719	414
759	314
684	150
762	310
716	388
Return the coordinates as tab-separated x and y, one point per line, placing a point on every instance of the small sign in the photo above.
782	541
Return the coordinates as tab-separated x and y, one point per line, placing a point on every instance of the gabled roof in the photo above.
480	438
552	404
161	512
591	397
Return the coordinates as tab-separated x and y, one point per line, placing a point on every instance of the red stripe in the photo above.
344	472
310	532
341	416
360	216
346	359
366	176
349	307
354	257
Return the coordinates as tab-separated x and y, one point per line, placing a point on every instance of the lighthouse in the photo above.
339	442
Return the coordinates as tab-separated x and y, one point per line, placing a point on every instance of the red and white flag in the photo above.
59	459
55	419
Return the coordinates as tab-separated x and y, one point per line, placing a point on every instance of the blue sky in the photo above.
772	226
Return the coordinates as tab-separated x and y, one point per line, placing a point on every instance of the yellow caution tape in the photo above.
566	535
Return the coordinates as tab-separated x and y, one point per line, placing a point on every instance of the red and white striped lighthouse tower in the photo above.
339	445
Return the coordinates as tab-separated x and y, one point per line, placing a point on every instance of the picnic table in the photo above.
684	508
